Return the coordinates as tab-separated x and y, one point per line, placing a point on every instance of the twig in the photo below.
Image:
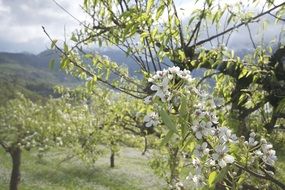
88	72
250	36
4	145
179	26
237	26
266	176
205	77
196	30
278	18
61	7
68	157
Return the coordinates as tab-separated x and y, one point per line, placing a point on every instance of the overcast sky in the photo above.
21	21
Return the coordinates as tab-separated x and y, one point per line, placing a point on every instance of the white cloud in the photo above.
21	23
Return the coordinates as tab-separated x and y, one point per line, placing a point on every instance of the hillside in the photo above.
32	75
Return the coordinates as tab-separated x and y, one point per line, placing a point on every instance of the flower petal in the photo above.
229	158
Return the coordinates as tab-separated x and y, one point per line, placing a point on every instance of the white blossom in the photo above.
221	157
148	99
268	154
161	90
198	180
202	129
225	135
251	141
174	70
196	162
201	150
179	185
151	119
258	153
185	74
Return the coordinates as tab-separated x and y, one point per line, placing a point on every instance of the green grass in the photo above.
131	173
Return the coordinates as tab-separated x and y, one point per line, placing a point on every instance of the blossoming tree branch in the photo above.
217	134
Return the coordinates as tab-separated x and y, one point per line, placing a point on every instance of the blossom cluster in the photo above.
263	149
213	140
212	145
162	82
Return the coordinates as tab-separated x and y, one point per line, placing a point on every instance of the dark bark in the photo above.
15	175
173	165
112	159
145	145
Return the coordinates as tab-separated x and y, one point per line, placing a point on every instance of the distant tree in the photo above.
25	125
19	130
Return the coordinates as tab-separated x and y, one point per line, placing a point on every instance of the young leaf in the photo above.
167	120
74	38
211	179
149	5
167	138
221	175
53	43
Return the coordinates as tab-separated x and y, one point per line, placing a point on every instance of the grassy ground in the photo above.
131	173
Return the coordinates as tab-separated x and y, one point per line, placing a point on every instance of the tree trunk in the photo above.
145	145
16	161
112	159
173	165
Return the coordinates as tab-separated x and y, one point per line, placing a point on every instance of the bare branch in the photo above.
4	145
250	35
66	11
278	18
179	26
260	176
207	76
198	25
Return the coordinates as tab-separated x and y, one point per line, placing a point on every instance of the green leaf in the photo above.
241	179
159	11
73	38
242	98
53	43
183	106
167	138
144	34
209	2
242	74
149	5
167	120
281	106
85	3
183	115
230	19
211	179
64	63
65	47
221	175
94	78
